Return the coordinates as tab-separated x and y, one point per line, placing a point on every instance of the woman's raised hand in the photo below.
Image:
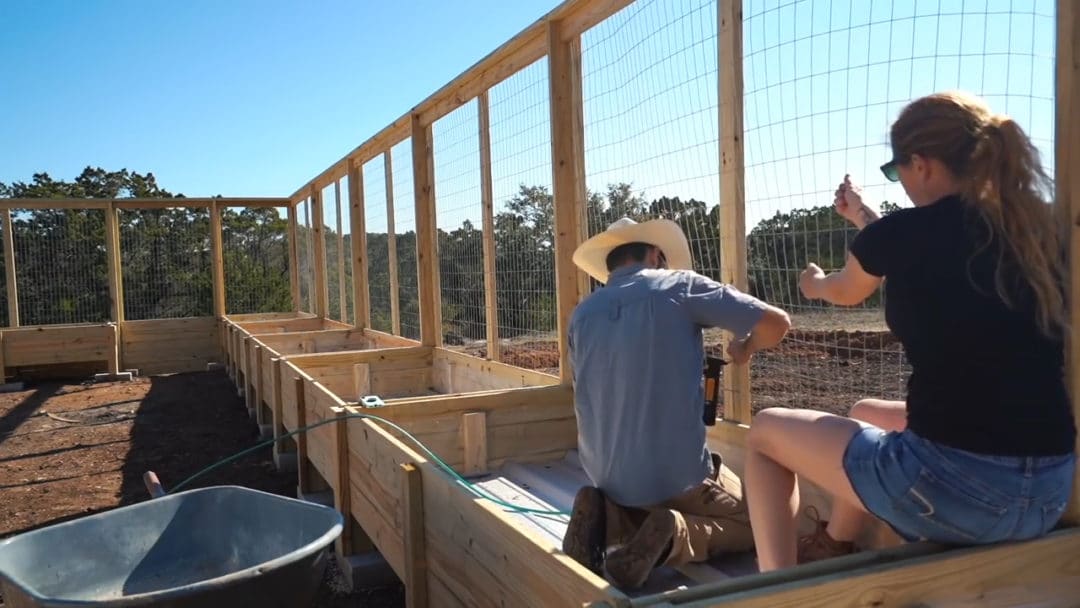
848	201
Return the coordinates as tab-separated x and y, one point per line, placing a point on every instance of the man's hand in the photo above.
810	281
739	351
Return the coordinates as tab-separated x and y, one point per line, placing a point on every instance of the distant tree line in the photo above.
61	261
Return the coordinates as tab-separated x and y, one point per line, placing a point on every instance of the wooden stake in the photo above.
568	175
217	264
732	193
358	242
474	429
303	473
343	312
487	200
9	270
391	243
416	592
294	261
1067	184
427	241
342	489
322	295
312	306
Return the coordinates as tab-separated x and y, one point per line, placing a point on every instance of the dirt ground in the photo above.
70	449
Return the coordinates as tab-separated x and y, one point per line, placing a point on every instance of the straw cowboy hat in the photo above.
591	256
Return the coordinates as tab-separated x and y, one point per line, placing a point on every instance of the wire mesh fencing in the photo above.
520	128
338	252
405	239
823	81
255	251
378	247
165	262
459	220
61	266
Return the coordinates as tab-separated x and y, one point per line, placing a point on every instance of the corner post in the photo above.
358	243
217	264
427	242
568	175
732	192
491	302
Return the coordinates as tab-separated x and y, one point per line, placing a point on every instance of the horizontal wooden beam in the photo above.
520	51
136	203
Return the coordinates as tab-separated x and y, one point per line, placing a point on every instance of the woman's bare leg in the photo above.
847	520
782	443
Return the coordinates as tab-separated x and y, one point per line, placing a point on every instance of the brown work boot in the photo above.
586	535
819	545
630	565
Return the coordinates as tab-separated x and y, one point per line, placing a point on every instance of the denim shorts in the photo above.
927	491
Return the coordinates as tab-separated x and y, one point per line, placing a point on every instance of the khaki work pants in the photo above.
711	519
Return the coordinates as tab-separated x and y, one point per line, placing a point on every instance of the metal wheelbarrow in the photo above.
211	547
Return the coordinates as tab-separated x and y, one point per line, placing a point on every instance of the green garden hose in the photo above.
476	490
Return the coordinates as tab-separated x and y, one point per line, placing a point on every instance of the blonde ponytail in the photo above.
1004	180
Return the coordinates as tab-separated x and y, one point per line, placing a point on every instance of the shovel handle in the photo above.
153	486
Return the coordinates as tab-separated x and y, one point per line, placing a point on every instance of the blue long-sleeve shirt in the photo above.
636	351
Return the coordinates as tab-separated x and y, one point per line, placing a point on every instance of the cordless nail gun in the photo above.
712	388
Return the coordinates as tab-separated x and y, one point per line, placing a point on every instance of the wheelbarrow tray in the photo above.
210	547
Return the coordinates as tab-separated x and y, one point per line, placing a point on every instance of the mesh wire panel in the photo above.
305	255
405	235
460	226
824	79
377	243
255	249
61	266
652	123
524	232
165	261
331	244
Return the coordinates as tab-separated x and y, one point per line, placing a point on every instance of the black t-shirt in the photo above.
984	378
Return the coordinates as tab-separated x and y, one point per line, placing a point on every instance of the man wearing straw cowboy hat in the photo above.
636	350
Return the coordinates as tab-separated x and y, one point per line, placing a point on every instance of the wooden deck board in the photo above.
552	484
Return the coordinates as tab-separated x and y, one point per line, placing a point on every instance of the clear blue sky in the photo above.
239	98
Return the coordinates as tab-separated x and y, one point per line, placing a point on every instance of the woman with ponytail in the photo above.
982	449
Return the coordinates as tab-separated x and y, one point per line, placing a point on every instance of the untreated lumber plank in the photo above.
313	306
941	579
217	264
427	255
358	243
1067	184
487	198
343	309
318	234
112	250
732	192
9	270
474	438
415	555
303	470
568	174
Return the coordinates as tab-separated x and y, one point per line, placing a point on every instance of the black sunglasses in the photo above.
891	170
